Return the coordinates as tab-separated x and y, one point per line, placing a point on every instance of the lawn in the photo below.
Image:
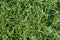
29	19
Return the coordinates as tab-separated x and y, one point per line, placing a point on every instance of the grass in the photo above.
29	19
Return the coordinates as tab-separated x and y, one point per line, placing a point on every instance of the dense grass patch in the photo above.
29	19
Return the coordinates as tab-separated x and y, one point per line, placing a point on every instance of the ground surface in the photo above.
29	19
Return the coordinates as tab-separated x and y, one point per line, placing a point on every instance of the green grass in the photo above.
29	19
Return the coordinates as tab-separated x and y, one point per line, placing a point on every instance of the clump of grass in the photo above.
29	20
